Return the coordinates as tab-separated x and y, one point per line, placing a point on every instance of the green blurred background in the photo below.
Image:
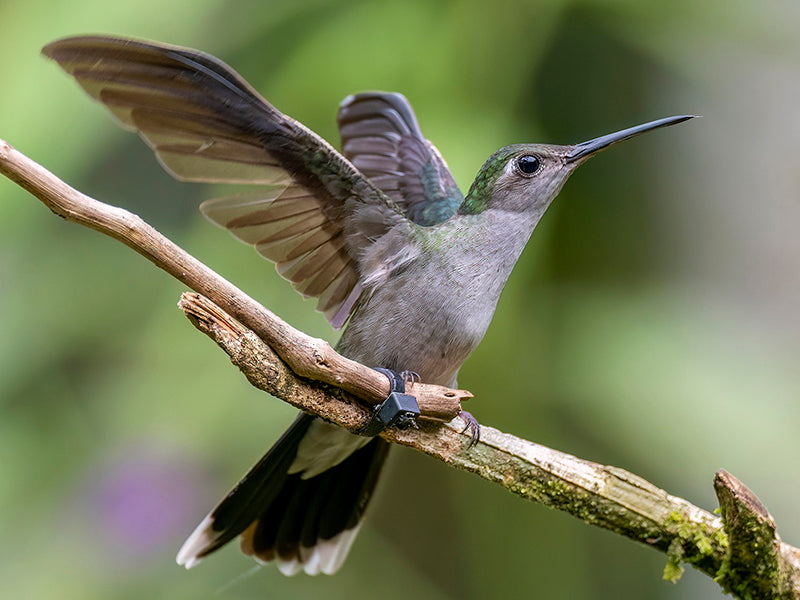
651	324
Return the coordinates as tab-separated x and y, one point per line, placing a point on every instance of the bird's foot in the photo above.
471	422
398	410
408	376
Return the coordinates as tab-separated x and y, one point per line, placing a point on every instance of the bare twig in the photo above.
307	356
266	371
740	548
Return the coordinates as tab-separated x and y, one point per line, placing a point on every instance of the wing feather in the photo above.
382	138
314	213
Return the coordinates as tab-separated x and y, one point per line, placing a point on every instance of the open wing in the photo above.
382	138
315	215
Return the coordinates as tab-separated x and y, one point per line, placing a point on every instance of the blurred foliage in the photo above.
651	324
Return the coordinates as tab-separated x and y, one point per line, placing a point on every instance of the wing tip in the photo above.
372	94
82	41
394	101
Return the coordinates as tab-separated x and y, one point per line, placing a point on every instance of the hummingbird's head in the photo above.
525	178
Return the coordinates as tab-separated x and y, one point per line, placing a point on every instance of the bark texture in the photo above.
740	548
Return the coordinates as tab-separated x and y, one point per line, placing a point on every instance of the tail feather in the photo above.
361	471
301	523
243	503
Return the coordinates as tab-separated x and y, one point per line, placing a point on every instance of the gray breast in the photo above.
421	320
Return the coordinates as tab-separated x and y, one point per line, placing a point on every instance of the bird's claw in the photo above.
410	377
399	409
471	422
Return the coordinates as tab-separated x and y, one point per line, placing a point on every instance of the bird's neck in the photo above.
484	246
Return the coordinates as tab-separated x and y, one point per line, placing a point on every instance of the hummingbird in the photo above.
380	234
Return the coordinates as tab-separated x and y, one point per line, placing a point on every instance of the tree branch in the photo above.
740	548
307	356
758	564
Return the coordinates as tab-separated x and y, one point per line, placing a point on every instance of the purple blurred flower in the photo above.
142	501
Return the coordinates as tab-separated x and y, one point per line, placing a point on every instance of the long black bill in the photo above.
586	149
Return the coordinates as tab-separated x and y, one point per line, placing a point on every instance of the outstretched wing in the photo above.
315	215
381	137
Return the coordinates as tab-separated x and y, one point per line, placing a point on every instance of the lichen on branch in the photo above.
740	548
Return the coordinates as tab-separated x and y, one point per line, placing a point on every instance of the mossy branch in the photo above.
740	548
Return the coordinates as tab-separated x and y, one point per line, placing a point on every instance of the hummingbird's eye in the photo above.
528	164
